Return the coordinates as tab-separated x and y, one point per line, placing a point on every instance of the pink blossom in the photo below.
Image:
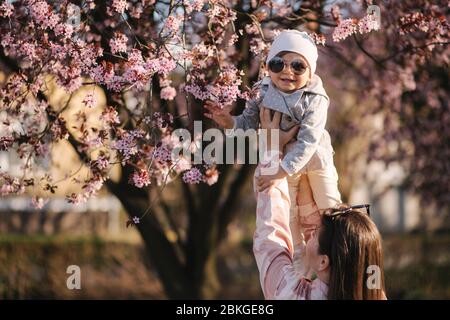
318	38
140	178
97	74
75	198
43	14
90	100
89	54
160	65
58	51
166	65
6	9
224	89
58	129
202	49
38	202
6	143
193	176
92	186
182	164
136	220
120	5
118	43
160	120
69	78
172	24
345	29
127	143
211	176
110	116
197	91
7	40
40	149
223	94
106	75
168	93
11	185
29	51
257	46
136	72
100	164
233	39
64	30
94	140
213	12
162	153
193	5
368	23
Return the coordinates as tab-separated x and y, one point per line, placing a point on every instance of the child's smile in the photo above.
286	80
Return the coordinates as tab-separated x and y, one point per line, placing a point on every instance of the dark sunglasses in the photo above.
335	213
277	64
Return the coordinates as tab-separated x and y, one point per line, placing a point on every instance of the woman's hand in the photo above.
269	123
264	182
221	116
273	123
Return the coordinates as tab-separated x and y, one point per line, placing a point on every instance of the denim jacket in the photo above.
308	106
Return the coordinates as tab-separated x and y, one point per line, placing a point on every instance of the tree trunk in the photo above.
159	249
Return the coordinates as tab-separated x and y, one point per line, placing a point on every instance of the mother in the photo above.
343	249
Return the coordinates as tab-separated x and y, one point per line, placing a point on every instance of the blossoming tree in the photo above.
156	61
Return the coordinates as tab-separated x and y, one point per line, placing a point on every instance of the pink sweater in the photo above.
273	249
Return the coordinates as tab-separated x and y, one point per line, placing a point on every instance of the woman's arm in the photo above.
272	241
273	246
273	149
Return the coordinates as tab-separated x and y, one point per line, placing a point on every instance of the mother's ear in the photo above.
324	262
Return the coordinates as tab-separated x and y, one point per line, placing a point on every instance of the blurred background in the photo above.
389	120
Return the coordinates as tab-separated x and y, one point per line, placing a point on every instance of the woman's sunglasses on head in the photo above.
335	213
277	64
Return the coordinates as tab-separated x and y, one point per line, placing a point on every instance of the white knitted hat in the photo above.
295	41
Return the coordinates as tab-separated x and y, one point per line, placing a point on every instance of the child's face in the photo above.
286	80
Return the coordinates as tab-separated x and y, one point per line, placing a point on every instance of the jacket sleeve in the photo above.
249	119
308	136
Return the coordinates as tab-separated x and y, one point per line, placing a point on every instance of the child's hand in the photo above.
264	182
221	116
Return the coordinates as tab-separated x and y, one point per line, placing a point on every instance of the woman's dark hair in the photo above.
352	243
